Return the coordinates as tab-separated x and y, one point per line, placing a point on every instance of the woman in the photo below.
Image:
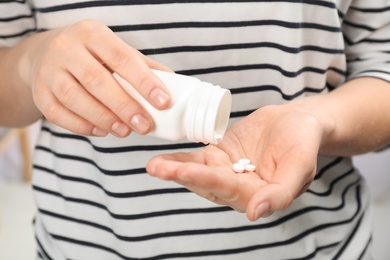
309	79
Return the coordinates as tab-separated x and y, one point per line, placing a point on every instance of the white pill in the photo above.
244	161
238	167
250	167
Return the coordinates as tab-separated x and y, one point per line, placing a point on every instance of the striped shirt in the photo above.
94	197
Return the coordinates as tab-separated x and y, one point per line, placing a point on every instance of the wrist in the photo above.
16	87
26	52
318	108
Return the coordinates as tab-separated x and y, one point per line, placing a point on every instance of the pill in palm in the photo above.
237	167
244	161
244	164
250	167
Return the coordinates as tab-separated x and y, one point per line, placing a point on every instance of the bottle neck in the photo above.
207	113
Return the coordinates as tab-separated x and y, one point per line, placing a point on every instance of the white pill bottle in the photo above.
199	110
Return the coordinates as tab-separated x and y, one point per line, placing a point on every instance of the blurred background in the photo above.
17	207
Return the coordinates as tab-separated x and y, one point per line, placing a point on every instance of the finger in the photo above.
129	64
181	157
153	64
209	182
290	179
161	168
209	155
98	81
56	113
220	184
74	97
172	167
204	193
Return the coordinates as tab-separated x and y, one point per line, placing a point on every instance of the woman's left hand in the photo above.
282	141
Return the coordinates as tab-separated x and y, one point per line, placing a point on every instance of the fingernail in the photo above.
98	132
261	209
120	129
159	97
140	124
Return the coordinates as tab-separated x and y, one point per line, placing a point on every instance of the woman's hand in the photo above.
70	73
282	141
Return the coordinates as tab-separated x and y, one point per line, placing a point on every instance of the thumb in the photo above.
268	199
289	181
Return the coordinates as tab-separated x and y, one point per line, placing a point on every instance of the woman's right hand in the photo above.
70	73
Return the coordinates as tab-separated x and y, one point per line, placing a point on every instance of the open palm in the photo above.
282	141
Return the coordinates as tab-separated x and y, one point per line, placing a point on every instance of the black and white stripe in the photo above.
94	198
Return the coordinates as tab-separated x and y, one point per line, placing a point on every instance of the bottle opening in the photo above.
208	113
223	115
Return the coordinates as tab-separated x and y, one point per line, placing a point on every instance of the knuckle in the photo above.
66	93
51	112
125	110
121	57
90	31
83	128
104	119
121	106
144	81
60	42
92	78
87	25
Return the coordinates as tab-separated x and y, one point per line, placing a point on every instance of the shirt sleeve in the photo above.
17	21
366	28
